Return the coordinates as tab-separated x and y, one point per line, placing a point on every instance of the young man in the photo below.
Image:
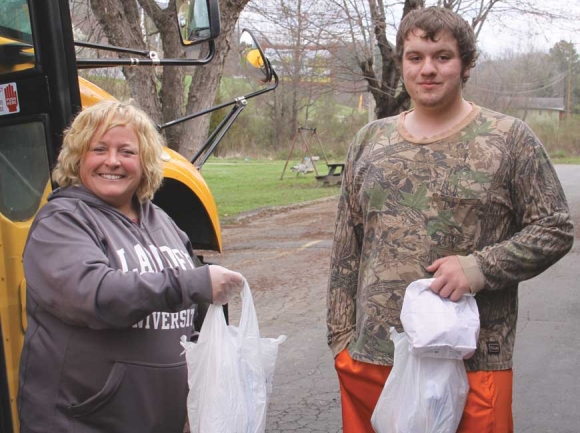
447	190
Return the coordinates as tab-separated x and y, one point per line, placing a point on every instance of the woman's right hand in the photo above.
224	283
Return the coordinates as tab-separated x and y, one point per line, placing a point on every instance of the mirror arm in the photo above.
220	106
153	60
271	87
114	48
194	115
218	133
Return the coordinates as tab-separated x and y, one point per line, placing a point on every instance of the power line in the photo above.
522	92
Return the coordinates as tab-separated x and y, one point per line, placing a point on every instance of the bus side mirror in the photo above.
198	20
253	58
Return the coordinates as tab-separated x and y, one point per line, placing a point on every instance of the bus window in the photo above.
16	46
24	170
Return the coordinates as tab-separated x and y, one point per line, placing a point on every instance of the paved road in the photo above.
285	258
285	255
547	355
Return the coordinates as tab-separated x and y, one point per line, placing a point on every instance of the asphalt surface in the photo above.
285	253
547	353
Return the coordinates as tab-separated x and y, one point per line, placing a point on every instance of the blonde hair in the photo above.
98	119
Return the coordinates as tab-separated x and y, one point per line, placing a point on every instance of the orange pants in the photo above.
488	408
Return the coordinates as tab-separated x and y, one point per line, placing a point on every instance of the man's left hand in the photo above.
450	280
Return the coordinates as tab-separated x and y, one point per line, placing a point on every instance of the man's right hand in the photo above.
450	280
224	283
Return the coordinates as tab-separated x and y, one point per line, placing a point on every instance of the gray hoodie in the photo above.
107	302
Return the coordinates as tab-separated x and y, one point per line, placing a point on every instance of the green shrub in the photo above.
562	138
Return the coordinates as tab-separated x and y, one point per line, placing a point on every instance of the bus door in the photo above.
38	97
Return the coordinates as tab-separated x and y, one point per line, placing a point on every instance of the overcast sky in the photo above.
504	29
527	35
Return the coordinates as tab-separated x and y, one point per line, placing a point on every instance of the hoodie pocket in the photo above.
137	397
104	395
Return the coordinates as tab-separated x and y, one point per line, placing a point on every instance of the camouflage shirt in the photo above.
485	190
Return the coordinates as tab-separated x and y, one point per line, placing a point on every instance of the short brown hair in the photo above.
99	118
433	21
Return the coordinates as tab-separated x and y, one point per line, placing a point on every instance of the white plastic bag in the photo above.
421	395
230	371
438	327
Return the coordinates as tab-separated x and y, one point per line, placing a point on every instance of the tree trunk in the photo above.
390	99
161	91
205	80
120	21
171	90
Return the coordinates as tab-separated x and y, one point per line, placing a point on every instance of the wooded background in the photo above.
335	59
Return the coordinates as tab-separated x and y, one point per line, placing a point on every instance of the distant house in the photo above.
536	110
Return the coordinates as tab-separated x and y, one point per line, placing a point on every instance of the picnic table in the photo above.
334	176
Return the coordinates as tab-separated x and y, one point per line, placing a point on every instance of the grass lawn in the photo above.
239	186
566	160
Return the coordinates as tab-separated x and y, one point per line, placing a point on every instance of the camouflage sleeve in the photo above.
345	260
544	229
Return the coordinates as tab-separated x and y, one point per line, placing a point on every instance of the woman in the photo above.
111	287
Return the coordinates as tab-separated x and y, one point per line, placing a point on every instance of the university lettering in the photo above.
162	320
153	259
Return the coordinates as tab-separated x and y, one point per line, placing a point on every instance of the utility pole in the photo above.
569	90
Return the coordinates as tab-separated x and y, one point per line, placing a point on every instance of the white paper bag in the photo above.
438	327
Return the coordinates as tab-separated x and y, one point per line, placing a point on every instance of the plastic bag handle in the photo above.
214	323
248	319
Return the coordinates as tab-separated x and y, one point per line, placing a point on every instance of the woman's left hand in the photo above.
224	283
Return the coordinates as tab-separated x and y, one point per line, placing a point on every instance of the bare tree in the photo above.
293	38
390	97
160	91
567	59
370	26
514	81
